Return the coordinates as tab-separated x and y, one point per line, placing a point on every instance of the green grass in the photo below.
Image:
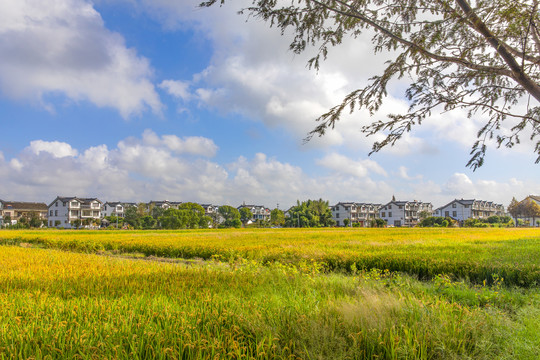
476	255
57	305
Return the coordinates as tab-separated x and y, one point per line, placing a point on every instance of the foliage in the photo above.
377	223
481	57
230	215
187	216
346	222
435	221
524	209
245	215
131	217
147	222
277	217
310	213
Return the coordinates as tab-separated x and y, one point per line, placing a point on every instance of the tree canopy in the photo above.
310	213
481	56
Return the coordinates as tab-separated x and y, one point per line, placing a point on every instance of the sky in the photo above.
139	100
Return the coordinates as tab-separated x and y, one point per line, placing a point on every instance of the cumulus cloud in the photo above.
156	166
55	148
63	47
343	165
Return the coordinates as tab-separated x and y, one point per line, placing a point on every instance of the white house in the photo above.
259	212
64	211
164	204
462	210
361	213
404	213
115	208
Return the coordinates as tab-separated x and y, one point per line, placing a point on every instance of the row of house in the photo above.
64	211
409	213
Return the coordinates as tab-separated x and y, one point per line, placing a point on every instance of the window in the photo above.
383	214
390	214
105	207
447	213
55	212
466	206
56	204
454	213
63	203
390	207
51	213
400	206
454	205
337	216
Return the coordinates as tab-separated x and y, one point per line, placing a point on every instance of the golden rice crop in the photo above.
57	305
474	254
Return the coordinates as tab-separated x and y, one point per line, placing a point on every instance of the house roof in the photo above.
28	206
81	200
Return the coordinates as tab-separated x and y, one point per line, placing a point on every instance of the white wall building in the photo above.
259	212
462	210
357	213
63	211
115	208
404	213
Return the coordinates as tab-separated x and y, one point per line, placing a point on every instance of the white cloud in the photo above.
168	167
55	148
177	88
343	165
403	173
63	47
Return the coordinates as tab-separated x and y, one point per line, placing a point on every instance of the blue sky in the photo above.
139	100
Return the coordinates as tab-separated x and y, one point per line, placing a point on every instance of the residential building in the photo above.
463	209
404	213
64	211
259	212
209	209
19	209
115	208
164	204
357	213
530	221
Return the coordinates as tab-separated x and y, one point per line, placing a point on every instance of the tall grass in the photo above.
59	305
478	255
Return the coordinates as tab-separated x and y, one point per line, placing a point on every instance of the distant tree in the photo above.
494	219
478	56
7	220
148	222
346	222
514	208
76	223
277	217
423	214
530	209
245	215
157	211
230	215
310	213
132	217
143	210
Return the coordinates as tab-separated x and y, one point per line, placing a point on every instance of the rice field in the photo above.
271	294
